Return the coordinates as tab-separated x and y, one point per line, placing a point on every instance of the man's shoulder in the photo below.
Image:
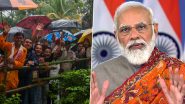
111	61
118	62
116	70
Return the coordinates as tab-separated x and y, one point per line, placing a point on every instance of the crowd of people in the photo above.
33	52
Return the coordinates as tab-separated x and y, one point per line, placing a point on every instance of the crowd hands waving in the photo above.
39	50
35	51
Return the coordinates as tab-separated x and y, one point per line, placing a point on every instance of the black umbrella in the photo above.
64	24
17	4
27	33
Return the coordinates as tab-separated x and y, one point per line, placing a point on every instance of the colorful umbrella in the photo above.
86	35
48	37
68	36
31	22
17	4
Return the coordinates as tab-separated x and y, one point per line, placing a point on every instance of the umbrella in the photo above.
49	36
68	36
79	33
1	26
86	35
27	32
31	22
64	24
17	4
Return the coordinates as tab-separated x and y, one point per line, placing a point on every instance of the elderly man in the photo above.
142	74
16	55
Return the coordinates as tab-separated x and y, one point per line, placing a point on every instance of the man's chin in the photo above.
136	56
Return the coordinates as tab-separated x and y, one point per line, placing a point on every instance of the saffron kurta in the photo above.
12	76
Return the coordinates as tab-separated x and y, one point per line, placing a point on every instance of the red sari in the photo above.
143	87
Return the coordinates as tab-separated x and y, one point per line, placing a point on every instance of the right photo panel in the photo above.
138	52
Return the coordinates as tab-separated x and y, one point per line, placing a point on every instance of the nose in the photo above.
134	34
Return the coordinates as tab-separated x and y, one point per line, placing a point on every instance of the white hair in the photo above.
129	5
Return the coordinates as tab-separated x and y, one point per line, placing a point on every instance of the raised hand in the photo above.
95	96
176	92
6	28
40	26
82	51
36	32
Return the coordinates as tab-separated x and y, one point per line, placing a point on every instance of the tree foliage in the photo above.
80	10
74	87
14	99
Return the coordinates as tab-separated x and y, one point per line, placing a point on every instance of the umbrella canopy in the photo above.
79	33
68	36
27	33
86	35
64	24
1	26
17	4
31	22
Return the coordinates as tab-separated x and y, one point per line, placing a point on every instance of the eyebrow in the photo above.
144	22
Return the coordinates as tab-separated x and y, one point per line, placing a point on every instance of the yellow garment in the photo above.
12	76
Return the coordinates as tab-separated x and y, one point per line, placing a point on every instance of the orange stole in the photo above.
147	90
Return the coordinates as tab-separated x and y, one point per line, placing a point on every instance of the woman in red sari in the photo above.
158	79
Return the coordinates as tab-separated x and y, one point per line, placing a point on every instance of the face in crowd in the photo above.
38	49
58	52
136	33
80	46
18	38
47	53
27	43
86	43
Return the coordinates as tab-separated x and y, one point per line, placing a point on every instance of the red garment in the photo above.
143	86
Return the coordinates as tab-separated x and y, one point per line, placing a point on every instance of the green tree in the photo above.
80	10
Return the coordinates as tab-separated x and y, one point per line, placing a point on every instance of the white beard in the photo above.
138	56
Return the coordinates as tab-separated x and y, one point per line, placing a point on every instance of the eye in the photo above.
141	27
125	29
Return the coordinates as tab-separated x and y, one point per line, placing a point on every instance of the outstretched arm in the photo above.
3	43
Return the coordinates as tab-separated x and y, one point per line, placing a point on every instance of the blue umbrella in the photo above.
49	36
68	36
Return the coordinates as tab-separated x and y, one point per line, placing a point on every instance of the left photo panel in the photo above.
45	51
